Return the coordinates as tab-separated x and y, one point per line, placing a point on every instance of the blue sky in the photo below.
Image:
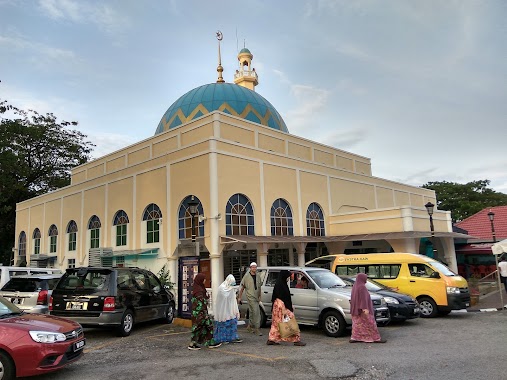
420	87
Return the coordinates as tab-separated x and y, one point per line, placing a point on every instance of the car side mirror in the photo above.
156	289
435	275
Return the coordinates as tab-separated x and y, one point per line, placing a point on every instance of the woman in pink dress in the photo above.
282	306
364	326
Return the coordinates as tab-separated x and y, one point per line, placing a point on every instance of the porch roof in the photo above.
228	239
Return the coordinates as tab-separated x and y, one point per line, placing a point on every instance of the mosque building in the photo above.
222	169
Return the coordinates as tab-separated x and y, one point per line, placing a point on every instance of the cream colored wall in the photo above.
348	193
120	196
236	175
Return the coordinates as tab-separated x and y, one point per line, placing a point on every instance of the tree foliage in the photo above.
464	200
37	153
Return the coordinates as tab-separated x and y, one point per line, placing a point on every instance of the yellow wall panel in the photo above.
120	196
115	164
348	193
95	171
363	168
78	177
52	214
344	163
140	155
271	143
384	197
300	151
94	204
314	189
165	146
196	134
323	157
240	135
402	198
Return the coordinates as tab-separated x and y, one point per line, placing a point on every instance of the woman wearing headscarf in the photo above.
226	313
282	307
202	324
364	326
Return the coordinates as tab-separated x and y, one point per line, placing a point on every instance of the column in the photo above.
335	247
409	245
262	254
300	251
449	253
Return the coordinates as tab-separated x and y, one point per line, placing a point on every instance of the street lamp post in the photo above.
491	216
192	209
429	207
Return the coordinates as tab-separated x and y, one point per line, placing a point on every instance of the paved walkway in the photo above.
490	301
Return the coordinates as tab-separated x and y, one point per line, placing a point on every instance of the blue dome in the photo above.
225	97
245	50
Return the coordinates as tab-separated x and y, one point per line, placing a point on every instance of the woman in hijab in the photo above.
364	326
202	324
282	306
226	313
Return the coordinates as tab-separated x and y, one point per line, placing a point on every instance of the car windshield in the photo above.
326	279
89	280
443	269
8	309
22	285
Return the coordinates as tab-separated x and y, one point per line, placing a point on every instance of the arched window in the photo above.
281	218
53	235
315	220
94	227
152	216
72	231
120	221
36	241
239	216
185	219
22	244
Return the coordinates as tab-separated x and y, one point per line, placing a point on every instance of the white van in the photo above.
7	272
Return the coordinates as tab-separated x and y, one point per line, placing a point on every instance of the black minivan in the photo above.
111	297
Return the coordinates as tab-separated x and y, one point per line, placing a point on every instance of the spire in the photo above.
220	69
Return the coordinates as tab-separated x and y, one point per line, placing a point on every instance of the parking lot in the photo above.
461	345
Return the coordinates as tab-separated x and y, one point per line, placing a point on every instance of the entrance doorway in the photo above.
236	262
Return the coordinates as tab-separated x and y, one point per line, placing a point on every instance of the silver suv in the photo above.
30	293
322	300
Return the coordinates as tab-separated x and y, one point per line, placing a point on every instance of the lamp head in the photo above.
491	215
192	206
429	207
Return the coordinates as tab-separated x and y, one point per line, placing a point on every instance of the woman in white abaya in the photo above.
226	313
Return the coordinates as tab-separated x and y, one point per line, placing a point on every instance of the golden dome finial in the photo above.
220	69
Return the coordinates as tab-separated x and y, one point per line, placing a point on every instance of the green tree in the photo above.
37	153
464	200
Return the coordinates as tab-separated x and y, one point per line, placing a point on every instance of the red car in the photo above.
33	344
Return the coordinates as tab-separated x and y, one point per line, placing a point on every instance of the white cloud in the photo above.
345	140
106	143
84	12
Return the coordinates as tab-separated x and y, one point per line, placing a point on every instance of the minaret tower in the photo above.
246	75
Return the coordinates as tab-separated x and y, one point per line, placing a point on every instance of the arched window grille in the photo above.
94	227
53	236
121	220
239	216
185	219
152	216
22	244
281	218
315	220
36	241
72	231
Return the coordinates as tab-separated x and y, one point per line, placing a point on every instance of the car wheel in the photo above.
6	367
126	324
169	315
333	324
428	307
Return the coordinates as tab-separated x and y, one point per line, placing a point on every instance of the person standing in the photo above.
251	282
226	313
202	324
282	307
502	267
364	326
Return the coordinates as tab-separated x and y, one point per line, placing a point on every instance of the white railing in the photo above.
245	73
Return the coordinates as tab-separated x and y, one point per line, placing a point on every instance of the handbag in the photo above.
288	327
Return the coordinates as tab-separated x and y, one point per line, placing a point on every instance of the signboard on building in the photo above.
188	267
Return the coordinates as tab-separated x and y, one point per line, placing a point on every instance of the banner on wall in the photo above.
188	267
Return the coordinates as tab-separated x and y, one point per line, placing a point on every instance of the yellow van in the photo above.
436	287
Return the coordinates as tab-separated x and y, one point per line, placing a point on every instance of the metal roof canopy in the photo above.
131	252
329	239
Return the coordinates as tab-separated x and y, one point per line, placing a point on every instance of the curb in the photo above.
182	322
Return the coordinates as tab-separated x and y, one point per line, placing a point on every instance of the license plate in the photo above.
467	304
79	345
77	305
17	301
